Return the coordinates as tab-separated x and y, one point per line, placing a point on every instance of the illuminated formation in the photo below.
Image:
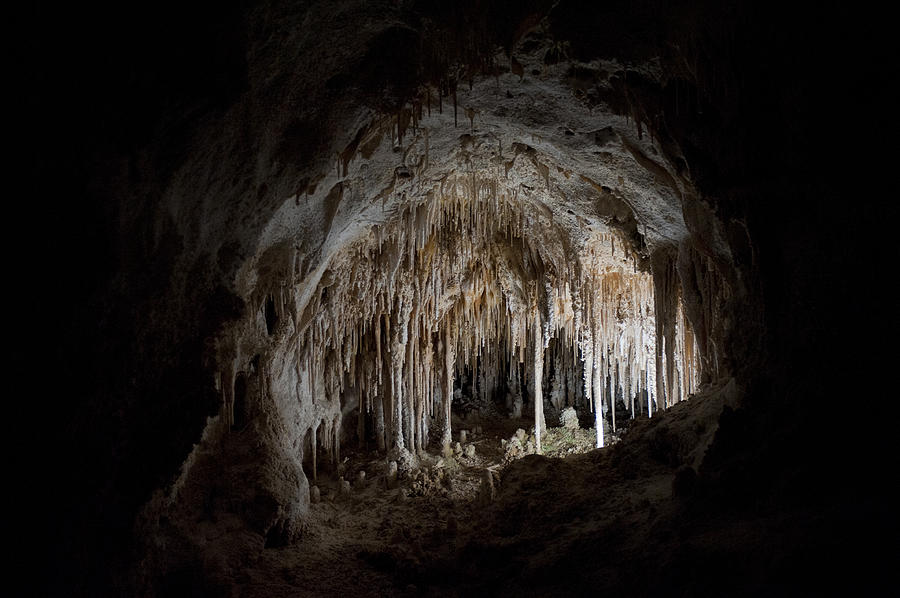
479	276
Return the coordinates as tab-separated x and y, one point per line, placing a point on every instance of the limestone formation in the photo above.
569	419
490	483
283	227
391	475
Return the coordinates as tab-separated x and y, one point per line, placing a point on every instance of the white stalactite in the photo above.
462	280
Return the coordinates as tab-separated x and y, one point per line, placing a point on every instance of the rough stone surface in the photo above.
392	474
569	418
201	191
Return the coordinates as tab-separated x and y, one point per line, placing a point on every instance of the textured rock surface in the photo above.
202	179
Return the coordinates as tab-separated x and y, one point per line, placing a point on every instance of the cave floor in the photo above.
639	518
357	544
625	520
386	541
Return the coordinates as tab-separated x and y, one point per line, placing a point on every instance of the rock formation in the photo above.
305	225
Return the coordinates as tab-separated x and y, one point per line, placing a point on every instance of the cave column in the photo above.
398	356
449	364
538	374
381	405
397	415
378	407
599	372
410	397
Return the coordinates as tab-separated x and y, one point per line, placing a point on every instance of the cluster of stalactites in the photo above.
677	354
476	276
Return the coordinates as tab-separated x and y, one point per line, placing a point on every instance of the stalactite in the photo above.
315	451
462	279
336	430
666	299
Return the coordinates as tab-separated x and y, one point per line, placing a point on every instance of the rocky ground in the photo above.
443	531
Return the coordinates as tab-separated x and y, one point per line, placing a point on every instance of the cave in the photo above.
406	298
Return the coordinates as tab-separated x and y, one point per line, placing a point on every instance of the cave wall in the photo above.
171	152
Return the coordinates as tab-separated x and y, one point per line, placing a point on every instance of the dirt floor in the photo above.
411	539
361	543
671	508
